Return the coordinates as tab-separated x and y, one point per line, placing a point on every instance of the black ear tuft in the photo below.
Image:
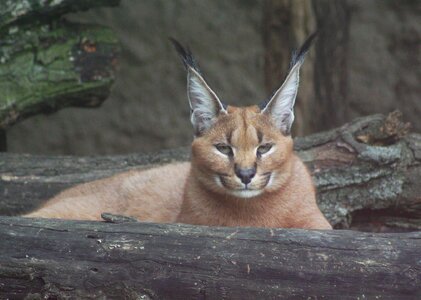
299	55
186	55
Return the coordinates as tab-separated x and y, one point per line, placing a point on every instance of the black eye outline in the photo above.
262	149
224	149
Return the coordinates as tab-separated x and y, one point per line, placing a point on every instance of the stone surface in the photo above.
385	59
148	109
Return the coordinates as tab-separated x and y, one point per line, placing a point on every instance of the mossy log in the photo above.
56	259
367	174
47	63
14	12
49	67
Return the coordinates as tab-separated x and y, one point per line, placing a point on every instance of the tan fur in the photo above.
205	192
153	195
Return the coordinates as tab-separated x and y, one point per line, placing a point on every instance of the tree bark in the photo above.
47	64
366	173
56	259
21	11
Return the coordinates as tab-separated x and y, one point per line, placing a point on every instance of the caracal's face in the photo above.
241	151
243	154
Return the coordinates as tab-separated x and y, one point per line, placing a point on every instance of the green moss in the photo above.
45	66
28	11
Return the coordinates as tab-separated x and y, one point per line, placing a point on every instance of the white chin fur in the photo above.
245	193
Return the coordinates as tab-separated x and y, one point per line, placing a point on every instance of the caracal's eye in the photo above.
224	149
262	149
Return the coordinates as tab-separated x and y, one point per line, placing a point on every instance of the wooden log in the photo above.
29	11
367	174
47	64
56	259
44	68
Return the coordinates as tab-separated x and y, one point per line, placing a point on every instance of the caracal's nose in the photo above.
246	175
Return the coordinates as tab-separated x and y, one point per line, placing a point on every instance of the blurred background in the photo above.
365	61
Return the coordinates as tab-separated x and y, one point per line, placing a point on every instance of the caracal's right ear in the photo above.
205	105
280	108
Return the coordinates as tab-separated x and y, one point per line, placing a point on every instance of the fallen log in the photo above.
367	174
56	259
47	64
21	11
50	67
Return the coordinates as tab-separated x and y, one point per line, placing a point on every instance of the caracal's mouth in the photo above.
246	190
245	193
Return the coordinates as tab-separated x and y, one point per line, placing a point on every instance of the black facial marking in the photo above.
229	136
267	177
259	136
223	180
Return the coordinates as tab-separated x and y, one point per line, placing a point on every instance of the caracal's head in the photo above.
241	151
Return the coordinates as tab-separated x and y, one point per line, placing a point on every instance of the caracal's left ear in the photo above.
205	105
280	107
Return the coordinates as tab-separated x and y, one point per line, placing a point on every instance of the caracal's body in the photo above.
243	171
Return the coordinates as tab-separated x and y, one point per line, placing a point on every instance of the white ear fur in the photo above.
204	104
281	106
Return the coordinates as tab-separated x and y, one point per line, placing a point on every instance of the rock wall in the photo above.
385	59
148	108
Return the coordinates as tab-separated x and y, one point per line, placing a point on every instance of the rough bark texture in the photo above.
18	11
368	167
324	75
53	259
48	67
47	64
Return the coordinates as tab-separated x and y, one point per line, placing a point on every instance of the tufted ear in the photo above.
280	107
205	105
